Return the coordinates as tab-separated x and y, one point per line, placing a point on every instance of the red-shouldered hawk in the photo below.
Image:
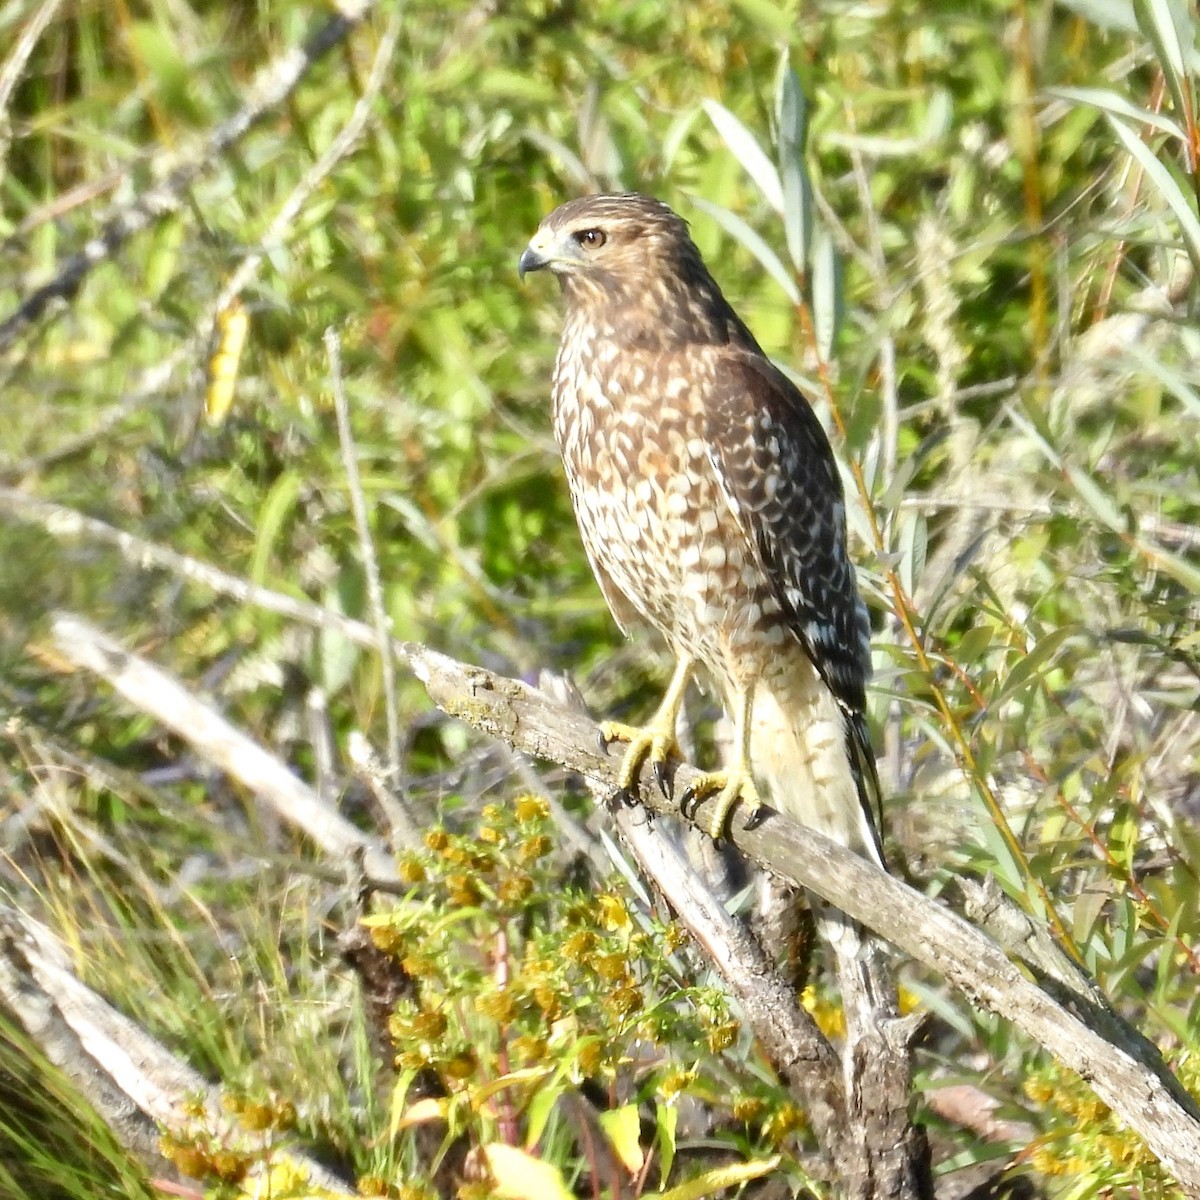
711	507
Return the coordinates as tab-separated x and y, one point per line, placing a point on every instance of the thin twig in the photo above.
403	829
362	525
273	84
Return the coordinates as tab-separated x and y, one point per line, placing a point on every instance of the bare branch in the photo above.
151	690
134	1084
1131	1078
68	524
273	84
1135	1083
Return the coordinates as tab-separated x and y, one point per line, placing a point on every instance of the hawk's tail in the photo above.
816	761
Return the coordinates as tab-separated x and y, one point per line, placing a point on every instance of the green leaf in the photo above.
1038	658
1172	193
666	1118
1114	104
276	508
798	208
622	1127
738	229
1123	836
748	152
827	299
1106	14
1160	21
1172	564
913	542
1088	906
1103	506
537	1114
1173	381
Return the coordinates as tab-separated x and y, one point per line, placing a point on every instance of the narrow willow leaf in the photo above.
748	152
666	1117
1171	564
1172	381
399	1105
1034	663
1172	193
739	230
431	1108
1103	506
537	1114
1159	22
798	208
1119	106
485	1091
828	302
280	501
1087	908
233	323
914	542
1122	836
1106	14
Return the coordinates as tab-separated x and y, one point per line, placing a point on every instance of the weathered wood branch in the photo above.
841	1106
152	690
893	1162
1130	1078
133	1083
1080	1031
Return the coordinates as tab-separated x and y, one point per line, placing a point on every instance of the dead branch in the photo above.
133	1083
69	525
1132	1079
151	690
271	87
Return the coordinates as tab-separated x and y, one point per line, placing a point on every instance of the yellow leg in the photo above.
737	781
656	739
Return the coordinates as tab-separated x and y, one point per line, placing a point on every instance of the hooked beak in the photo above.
531	260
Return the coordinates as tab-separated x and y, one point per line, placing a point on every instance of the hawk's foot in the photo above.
732	785
653	741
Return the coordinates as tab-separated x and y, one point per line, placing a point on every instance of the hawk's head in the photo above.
628	266
613	244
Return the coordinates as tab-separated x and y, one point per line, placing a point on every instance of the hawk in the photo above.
711	508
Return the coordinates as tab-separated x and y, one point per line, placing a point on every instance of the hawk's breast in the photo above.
657	527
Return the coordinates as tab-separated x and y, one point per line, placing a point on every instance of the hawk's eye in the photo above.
593	239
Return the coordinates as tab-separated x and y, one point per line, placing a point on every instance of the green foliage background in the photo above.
985	238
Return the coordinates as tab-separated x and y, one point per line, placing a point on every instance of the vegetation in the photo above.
971	229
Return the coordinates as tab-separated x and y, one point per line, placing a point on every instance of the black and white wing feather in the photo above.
777	470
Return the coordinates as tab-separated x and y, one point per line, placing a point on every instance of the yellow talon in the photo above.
736	782
657	739
733	786
652	741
